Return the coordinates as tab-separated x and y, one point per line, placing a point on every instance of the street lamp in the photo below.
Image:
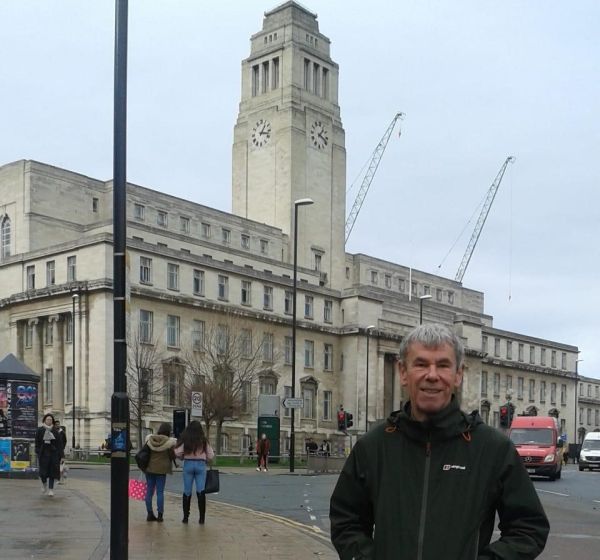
369	329
75	299
421	298
576	392
297	204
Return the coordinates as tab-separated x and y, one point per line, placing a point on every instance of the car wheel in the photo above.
580	468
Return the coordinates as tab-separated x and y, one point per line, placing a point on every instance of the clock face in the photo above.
318	135
261	133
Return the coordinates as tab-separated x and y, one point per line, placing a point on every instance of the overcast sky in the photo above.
478	80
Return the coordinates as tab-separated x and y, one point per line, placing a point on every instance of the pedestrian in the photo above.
50	451
195	451
432	478
63	440
263	445
162	455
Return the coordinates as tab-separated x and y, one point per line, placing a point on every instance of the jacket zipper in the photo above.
424	501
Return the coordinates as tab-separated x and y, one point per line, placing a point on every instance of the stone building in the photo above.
194	268
588	413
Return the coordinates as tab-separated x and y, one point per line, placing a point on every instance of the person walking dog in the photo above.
194	449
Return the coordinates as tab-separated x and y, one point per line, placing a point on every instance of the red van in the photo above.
538	444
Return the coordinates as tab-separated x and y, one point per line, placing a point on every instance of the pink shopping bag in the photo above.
137	489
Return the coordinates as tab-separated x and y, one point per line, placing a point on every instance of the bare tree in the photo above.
223	362
145	384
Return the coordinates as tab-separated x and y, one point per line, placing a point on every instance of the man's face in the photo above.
431	376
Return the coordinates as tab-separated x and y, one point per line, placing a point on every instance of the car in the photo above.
589	456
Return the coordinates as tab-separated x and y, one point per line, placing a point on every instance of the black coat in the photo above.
49	454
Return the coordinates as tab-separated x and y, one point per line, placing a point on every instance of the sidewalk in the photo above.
74	525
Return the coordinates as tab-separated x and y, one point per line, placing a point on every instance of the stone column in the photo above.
58	366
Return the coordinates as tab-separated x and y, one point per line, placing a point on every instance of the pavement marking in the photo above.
313	517
597	501
574	536
555	493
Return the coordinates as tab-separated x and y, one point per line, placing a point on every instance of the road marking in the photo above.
574	536
312	518
597	501
555	493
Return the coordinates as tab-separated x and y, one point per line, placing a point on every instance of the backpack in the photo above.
142	457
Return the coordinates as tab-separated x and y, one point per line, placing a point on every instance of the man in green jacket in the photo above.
427	484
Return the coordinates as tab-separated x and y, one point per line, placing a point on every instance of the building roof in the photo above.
13	369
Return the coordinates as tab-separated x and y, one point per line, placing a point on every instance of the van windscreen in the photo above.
532	436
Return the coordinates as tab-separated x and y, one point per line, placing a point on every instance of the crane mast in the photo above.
368	178
481	221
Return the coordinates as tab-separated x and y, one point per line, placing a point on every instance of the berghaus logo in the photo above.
454	467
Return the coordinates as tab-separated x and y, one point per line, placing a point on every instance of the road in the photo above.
572	503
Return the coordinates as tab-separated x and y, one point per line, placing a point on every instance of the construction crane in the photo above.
489	199
368	178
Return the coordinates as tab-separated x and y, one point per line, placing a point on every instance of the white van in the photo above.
590	452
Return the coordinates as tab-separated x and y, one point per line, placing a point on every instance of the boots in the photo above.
201	506
160	517
186	501
150	516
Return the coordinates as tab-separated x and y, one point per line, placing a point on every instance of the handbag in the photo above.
137	489
142	457
211	485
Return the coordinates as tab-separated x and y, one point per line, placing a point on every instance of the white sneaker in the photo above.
258	469
50	492
44	487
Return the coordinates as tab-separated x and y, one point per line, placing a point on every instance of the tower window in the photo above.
94	205
5	234
316	79
306	73
255	79
275	77
265	77
325	83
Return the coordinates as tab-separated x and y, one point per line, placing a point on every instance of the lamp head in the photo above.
303	202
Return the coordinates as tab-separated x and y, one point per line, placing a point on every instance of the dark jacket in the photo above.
49	454
432	491
162	454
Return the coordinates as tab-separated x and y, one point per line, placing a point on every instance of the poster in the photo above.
23	408
3	410
5	454
20	457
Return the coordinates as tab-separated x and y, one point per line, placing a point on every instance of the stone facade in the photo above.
588	406
193	268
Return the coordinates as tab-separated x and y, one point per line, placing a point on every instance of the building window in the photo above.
496	384
275	74
48	385
388	281
172	276
265	77
316	79
198	282
563	360
139	212
264	247
308	393
306	74
287	350
451	298
50	273
245	396
413	288
246	296
426	290
327	398
222	339
268	298
589	390
245	241
5	235
542	391
246	343
520	388
439	294
223	285
509	350
309	353
28	335
198	330
267	386
31	277
563	395
401	285
145	270
543	356
509	385
145	379
325	90
589	417
496	347
347	273
146	326
255	79
581	415
94	205
205	228
69	384
532	354
597	418
162	218
184	224
328	311
553	359
173	331
484	344
581	389
173	383
552	393
328	357
318	259
71	269
521	352
288	302
531	390
374	277
267	347
226	235
308	307
484	383
48	333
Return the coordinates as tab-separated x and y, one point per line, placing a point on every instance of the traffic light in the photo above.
341	418
349	422
179	421
504	416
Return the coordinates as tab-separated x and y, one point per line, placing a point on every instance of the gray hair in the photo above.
432	335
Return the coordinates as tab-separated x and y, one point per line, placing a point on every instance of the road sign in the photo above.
196	403
293	403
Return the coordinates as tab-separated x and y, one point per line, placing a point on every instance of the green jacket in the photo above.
426	491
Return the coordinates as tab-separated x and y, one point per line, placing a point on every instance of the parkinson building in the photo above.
195	271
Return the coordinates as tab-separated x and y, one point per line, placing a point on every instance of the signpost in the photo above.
290	402
196	403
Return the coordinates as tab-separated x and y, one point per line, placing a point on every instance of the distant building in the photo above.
193	268
588	409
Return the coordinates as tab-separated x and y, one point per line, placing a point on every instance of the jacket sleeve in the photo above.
523	525
351	512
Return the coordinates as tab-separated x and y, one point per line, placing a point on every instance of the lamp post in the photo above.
297	204
576	390
369	329
421	298
75	299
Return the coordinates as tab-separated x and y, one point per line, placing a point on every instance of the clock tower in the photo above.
289	140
